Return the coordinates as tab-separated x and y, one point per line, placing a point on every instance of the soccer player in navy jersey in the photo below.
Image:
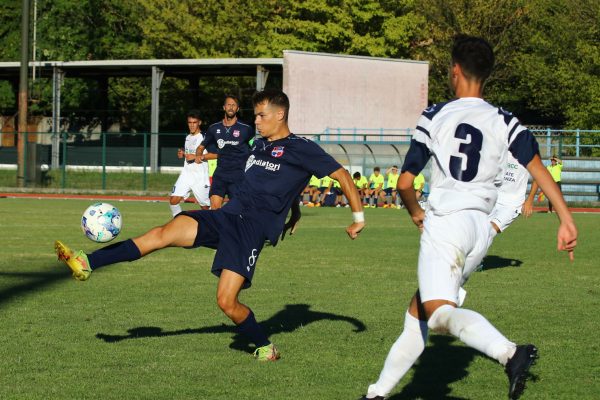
278	169
469	139
231	138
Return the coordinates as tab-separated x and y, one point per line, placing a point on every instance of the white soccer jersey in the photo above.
468	139
191	144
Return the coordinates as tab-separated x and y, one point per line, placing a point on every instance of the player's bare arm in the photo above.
200	156
409	198
351	193
567	231
527	209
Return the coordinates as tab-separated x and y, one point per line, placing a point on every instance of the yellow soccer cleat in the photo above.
78	262
267	353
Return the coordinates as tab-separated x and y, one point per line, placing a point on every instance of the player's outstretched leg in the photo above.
76	261
517	369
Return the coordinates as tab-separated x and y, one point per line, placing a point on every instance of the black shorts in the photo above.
223	186
238	241
389	190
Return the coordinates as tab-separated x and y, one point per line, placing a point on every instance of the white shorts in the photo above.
193	178
452	247
503	215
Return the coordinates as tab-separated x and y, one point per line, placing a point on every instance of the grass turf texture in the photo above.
151	329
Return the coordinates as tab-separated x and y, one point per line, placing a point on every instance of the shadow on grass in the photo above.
439	366
292	317
33	281
493	262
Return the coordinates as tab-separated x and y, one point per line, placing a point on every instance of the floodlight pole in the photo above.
23	91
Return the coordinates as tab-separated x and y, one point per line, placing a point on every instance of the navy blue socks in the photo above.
114	253
253	331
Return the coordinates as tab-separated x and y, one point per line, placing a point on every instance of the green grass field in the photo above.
151	329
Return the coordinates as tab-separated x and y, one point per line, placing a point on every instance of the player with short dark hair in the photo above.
194	177
279	167
469	140
375	190
231	137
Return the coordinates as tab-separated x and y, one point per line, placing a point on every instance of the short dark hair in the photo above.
377	169
274	97
194	114
356	175
233	97
474	55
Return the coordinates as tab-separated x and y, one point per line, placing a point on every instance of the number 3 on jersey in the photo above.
471	150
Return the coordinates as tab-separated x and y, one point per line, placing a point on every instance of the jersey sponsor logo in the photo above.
269	166
277	151
222	143
236	133
218	131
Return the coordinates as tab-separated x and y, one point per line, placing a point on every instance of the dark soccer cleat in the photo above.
517	369
372	398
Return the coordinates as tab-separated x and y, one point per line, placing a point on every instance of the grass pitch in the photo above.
151	329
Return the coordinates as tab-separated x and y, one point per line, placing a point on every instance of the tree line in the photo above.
547	51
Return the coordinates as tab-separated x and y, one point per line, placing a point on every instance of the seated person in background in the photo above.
312	188
361	184
390	188
375	190
340	200
325	189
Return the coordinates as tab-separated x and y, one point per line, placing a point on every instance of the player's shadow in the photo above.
33	282
439	366
292	317
493	262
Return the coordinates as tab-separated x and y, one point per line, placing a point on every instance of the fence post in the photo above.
63	181
145	177
560	144
577	143
548	143
103	160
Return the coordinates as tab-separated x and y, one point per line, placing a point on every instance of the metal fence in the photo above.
62	155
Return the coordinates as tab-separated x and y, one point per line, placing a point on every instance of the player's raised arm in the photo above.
567	231
351	193
409	198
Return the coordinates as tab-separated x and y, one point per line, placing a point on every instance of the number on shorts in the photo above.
471	150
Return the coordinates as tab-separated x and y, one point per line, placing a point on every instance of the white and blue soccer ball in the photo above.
101	222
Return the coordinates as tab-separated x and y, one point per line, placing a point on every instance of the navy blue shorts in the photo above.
222	186
238	241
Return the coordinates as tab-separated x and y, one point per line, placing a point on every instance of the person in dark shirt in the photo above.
230	137
277	170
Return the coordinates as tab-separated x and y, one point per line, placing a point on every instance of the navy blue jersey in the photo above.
276	173
231	144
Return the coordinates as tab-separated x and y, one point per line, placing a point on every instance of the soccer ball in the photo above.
101	222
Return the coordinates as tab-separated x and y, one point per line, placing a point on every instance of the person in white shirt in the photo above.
469	140
194	176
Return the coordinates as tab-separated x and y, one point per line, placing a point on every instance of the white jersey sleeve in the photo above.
468	140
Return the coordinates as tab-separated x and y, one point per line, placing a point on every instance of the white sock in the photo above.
403	354
175	209
474	330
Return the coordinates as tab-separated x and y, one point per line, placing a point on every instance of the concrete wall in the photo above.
348	91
